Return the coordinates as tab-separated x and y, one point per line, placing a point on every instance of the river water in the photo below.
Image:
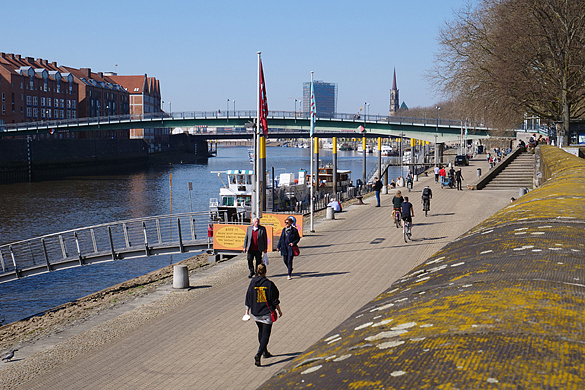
32	209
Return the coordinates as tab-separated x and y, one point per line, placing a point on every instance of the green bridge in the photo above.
281	124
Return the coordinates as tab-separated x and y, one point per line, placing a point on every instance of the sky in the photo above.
204	53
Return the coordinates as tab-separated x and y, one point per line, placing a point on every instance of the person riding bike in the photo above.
397	203
407	212
427	195
409	180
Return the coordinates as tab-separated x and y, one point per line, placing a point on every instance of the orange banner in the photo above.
277	222
231	237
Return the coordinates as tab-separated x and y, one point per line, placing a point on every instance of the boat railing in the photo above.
162	234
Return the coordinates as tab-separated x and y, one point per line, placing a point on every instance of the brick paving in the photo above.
344	264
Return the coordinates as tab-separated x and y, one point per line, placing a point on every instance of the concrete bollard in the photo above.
180	276
522	191
384	190
330	213
478	172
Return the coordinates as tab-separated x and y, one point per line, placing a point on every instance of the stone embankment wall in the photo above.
501	307
50	159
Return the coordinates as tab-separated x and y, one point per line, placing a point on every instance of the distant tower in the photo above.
394	100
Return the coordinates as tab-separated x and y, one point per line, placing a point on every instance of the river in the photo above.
32	209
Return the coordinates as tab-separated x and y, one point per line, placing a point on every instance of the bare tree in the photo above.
508	58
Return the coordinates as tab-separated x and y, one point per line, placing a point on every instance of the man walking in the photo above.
459	178
436	174
377	188
255	243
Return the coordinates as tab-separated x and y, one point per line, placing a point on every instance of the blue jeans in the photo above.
378	197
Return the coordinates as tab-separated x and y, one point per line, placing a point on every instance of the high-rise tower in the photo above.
394	99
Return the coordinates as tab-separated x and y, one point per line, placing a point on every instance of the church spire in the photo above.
394	99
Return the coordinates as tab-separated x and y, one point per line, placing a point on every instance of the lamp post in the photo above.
296	100
227	109
171	108
234	107
436	134
367	109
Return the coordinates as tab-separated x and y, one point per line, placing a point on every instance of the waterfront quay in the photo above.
196	338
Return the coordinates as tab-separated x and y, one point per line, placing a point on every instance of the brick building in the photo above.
145	98
35	90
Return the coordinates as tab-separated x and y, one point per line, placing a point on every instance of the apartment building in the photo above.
145	99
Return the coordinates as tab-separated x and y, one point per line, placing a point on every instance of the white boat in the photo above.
327	145
235	197
360	148
291	190
251	155
386	150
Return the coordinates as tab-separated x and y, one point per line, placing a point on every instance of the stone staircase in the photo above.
518	174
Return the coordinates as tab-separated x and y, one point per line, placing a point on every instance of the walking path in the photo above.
196	339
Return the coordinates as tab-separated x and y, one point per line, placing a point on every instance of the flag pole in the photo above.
312	103
257	146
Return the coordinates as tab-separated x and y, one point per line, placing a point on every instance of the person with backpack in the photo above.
427	195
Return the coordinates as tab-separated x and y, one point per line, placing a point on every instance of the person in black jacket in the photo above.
377	187
288	239
255	243
262	299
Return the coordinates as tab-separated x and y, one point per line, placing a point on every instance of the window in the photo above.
62	103
62	114
3	97
58	87
28	112
36	112
28	100
73	114
21	97
68	114
68	103
49	114
56	114
43	101
21	85
3	110
35	100
42	113
48	102
73	104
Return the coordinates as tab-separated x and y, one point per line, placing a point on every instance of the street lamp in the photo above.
296	100
234	107
367	109
436	134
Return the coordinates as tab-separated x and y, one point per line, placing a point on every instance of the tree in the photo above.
508	58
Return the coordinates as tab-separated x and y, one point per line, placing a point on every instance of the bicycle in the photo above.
397	216
426	206
409	185
406	231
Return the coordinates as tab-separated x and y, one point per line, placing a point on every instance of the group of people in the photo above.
455	176
262	297
401	204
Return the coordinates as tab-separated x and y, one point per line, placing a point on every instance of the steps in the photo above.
518	174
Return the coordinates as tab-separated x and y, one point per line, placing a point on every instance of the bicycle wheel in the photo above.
397	220
405	232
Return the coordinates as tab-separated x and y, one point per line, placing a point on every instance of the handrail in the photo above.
136	237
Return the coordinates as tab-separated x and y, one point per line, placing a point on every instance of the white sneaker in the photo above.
289	277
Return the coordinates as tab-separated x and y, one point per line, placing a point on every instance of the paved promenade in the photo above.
197	340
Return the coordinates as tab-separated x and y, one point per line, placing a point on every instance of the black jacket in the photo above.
285	239
260	290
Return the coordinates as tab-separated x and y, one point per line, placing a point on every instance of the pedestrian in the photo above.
459	178
377	187
255	243
289	238
392	184
262	298
443	174
451	177
437	169
335	205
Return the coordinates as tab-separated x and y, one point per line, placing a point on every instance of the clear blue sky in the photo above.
205	52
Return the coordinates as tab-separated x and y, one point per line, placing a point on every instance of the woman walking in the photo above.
287	245
262	300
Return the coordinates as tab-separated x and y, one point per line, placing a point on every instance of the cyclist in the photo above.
409	180
427	195
407	213
397	203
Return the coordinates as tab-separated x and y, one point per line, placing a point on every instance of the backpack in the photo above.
426	192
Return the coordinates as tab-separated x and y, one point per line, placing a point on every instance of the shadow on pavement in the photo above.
313	274
290	357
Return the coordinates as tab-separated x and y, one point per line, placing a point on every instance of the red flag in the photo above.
263	103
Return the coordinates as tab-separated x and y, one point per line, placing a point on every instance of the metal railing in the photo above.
175	233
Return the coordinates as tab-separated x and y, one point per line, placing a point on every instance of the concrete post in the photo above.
330	213
180	276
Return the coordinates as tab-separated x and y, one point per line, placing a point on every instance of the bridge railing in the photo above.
174	233
226	115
